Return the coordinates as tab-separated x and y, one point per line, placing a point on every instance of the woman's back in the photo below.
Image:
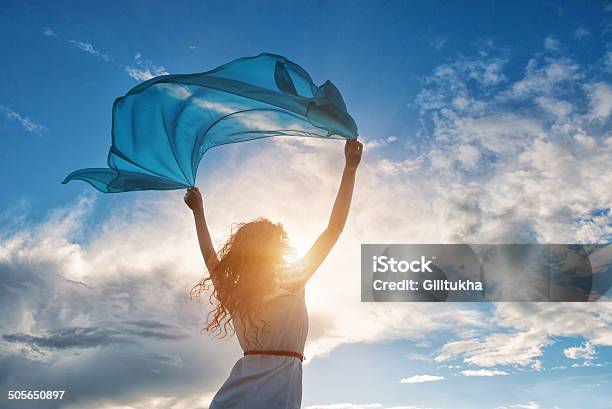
261	381
284	323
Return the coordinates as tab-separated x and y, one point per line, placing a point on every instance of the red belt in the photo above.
278	353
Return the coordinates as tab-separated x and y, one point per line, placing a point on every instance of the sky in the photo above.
482	122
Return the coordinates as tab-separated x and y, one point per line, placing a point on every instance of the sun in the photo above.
300	244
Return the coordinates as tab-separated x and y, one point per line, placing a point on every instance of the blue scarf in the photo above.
162	127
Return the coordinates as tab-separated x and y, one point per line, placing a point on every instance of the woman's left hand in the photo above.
193	199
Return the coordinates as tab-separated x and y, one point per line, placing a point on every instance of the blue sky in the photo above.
377	55
483	121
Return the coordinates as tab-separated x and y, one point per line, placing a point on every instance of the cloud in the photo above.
484	372
556	107
88	48
24	121
379	142
586	351
202	401
140	70
146	74
482	145
110	321
600	95
544	77
581	33
591	321
497	349
91	337
68	338
534	326
81	45
347	406
362	406
438	43
454	81
551	43
528	405
198	401
144	69
537	365
422	378
49	33
586	364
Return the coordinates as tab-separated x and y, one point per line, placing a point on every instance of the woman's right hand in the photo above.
193	199
352	153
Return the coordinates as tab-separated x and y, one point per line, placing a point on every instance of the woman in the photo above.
262	298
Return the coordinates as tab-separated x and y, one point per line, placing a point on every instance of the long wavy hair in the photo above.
248	262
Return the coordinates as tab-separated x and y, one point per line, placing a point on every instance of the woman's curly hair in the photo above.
248	263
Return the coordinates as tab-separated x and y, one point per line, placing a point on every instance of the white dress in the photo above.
270	381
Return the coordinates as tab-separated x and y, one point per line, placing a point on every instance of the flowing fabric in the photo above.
162	127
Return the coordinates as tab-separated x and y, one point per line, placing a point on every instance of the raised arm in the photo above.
323	245
193	199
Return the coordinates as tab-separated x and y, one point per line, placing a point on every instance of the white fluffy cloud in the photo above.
518	348
484	372
592	321
533	326
600	94
544	76
421	379
144	69
501	155
586	351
